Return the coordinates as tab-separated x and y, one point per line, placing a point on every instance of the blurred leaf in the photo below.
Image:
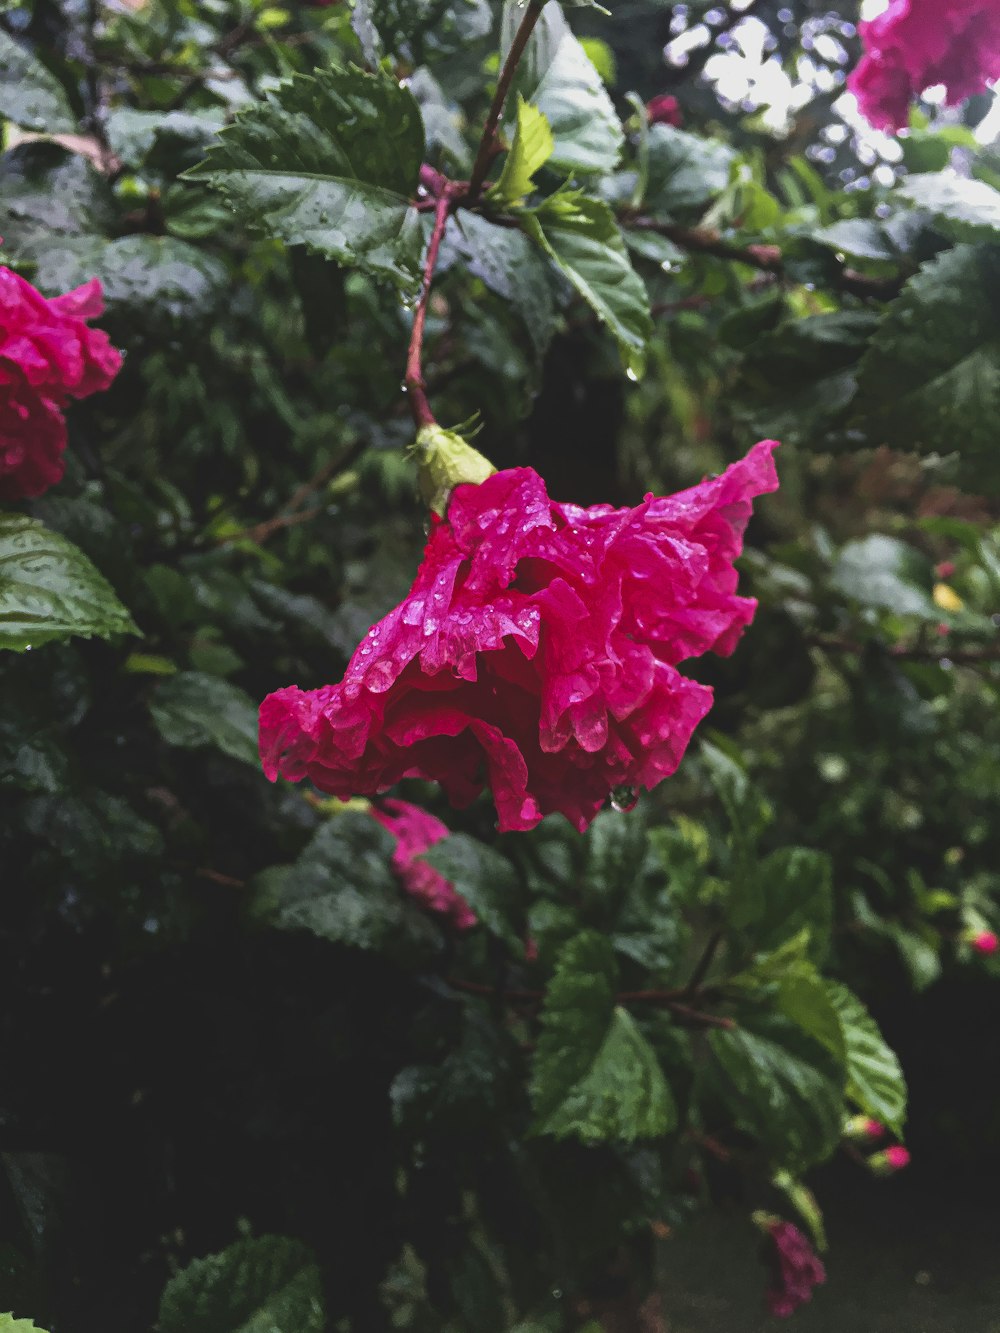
511	266
8	1324
965	210
787	891
884	572
556	76
192	709
418	30
582	239
268	1284
861	238
49	589
31	96
330	162
685	170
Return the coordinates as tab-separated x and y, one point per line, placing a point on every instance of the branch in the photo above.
414	378
488	144
988	652
704	963
292	513
670	999
766	258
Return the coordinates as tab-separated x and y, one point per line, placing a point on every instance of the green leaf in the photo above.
874	1077
418	30
782	1087
485	879
930	381
144	278
8	1324
595	1076
49	589
329	162
861	238
269	1284
557	77
804	997
343	889
583	240
532	147
885	573
133	134
192	709
789	890
685	170
965	210
30	95
507	262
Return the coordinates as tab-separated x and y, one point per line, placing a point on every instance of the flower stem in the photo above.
414	378
488	145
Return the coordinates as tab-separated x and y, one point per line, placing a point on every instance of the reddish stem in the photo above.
414	379
488	146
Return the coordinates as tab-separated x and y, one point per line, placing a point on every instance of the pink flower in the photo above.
47	356
985	941
664	110
795	1269
537	651
863	1127
415	831
915	44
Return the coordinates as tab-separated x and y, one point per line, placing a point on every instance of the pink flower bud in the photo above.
862	1128
664	110
944	570
890	1161
985	942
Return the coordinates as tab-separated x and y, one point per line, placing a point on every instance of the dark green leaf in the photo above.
511	266
583	240
595	1076
874	1077
485	879
930	381
31	96
192	709
269	1284
782	1087
50	590
861	238
788	891
685	170
329	162
557	77
342	888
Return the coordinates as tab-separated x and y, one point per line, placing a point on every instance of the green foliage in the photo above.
32	97
530	149
582	239
269	1284
329	162
49	590
193	709
595	1076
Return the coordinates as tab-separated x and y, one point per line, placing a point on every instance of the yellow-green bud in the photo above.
445	461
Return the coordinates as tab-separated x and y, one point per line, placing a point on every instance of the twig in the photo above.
989	652
416	388
488	145
766	258
292	514
704	963
669	999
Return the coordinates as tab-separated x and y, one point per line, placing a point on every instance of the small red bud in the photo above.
944	570
942	629
862	1128
985	942
664	110
531	950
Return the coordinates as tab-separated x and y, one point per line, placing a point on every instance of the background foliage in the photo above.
245	1077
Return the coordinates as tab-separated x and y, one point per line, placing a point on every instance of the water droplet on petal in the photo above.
624	799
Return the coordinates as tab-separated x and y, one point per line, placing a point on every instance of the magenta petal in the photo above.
536	652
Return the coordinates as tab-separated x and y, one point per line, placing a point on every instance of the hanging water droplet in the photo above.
630	374
624	798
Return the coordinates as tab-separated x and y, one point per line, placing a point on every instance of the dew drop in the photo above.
624	799
630	374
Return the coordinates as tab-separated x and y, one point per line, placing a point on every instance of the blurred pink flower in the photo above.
415	831
795	1269
664	110
917	44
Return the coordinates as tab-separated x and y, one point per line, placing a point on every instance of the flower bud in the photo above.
445	461
891	1160
984	942
944	570
863	1129
664	110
